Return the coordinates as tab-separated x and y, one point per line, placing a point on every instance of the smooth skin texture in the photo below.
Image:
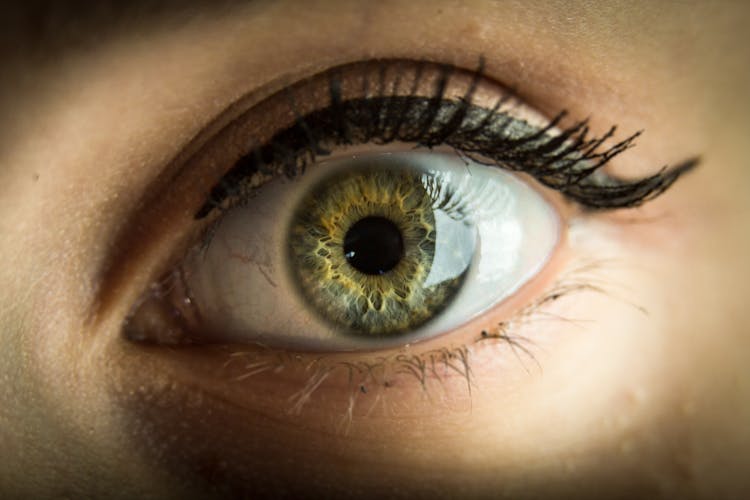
623	403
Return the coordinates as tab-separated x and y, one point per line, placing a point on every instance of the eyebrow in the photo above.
43	29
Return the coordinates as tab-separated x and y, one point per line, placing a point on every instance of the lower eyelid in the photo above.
498	344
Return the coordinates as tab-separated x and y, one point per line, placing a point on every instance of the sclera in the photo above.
243	290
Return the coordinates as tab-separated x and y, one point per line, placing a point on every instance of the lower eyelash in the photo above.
568	161
428	369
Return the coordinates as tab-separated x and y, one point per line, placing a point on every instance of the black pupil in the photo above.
373	245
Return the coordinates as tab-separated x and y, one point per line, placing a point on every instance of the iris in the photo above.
362	245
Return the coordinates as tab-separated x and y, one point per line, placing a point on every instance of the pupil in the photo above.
373	245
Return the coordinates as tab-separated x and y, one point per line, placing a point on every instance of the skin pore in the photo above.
640	390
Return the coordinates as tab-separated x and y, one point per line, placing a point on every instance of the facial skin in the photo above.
643	391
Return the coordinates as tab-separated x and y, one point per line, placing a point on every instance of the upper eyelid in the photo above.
181	187
569	157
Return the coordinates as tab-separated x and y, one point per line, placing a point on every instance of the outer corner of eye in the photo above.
364	252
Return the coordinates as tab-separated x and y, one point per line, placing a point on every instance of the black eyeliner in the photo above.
568	162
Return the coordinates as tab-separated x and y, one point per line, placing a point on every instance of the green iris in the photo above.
362	245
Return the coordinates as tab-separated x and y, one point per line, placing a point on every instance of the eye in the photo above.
342	229
368	250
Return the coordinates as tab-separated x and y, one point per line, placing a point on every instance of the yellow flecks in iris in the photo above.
369	304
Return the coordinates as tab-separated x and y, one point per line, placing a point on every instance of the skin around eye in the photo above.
469	237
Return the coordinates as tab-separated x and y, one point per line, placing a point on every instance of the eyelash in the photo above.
568	162
382	373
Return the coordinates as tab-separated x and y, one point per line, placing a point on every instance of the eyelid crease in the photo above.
568	161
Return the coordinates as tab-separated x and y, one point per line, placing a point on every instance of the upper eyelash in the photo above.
569	161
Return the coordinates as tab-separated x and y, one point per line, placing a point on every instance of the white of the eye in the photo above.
512	231
243	288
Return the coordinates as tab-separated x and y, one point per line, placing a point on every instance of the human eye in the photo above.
378	246
376	206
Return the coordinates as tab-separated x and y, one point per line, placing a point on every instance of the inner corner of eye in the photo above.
373	250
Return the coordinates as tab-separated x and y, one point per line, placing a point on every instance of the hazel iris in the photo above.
362	246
